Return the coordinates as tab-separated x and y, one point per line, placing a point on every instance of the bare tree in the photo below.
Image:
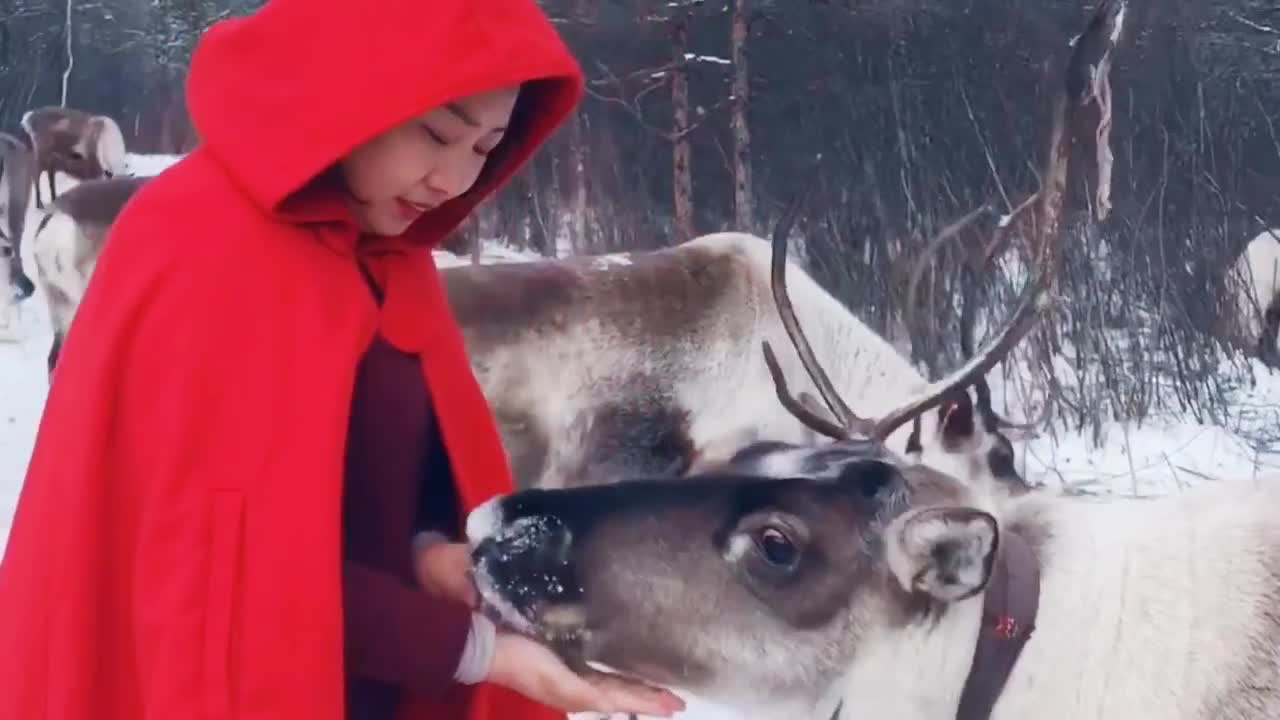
681	153
743	207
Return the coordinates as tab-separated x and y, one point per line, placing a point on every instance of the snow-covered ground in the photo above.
1162	455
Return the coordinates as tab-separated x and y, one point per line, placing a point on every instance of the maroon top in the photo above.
397	481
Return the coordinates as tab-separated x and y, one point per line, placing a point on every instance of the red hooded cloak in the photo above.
176	550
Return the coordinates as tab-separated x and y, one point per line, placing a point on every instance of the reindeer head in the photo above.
15	286
966	441
747	589
77	143
103	148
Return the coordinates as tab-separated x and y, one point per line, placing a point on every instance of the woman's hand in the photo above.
444	570
534	671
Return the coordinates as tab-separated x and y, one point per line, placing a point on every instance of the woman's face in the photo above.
406	171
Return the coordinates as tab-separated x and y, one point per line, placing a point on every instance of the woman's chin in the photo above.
385	222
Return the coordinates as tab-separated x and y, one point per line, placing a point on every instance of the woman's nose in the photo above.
450	179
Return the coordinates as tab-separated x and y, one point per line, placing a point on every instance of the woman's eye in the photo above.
435	136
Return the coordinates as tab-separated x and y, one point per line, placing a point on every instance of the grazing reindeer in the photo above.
68	241
848	582
74	142
1253	283
15	192
648	363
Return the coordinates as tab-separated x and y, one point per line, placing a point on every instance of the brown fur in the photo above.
97	203
520	319
66	140
498	303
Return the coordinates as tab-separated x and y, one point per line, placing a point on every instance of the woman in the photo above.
264	382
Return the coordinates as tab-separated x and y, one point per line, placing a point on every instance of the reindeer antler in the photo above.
1100	37
844	415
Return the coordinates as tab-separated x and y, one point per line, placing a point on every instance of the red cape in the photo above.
176	547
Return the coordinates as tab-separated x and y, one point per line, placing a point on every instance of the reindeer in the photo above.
74	142
645	363
68	241
15	191
1253	286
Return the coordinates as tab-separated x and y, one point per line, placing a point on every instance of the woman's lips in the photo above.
409	209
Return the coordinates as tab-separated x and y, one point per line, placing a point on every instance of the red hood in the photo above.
280	96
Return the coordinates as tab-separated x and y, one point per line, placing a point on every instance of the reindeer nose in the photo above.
535	541
23	288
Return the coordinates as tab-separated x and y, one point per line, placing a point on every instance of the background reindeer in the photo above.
1253	288
16	172
648	363
69	240
74	142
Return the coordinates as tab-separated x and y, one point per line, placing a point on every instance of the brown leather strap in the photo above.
1010	605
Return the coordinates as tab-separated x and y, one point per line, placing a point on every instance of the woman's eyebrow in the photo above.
466	117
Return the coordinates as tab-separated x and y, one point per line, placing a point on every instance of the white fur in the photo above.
1149	609
63	265
870	374
1255	280
111	152
919	532
717	372
484	521
739	404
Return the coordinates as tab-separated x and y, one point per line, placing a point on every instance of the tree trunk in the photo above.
743	209
682	180
578	171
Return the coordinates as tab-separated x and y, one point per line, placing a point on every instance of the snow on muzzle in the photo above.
524	572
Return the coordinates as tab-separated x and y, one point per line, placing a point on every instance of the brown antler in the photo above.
1100	37
843	414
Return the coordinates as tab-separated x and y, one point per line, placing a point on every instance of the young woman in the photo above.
265	396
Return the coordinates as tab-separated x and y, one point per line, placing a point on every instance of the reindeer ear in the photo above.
944	552
955	417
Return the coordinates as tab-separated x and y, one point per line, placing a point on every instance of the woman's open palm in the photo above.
533	670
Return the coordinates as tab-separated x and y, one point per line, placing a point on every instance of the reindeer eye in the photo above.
776	547
5	251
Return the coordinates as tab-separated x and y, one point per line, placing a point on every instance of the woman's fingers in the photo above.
634	697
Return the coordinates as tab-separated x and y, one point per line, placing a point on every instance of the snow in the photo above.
139	164
707	59
1164	454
